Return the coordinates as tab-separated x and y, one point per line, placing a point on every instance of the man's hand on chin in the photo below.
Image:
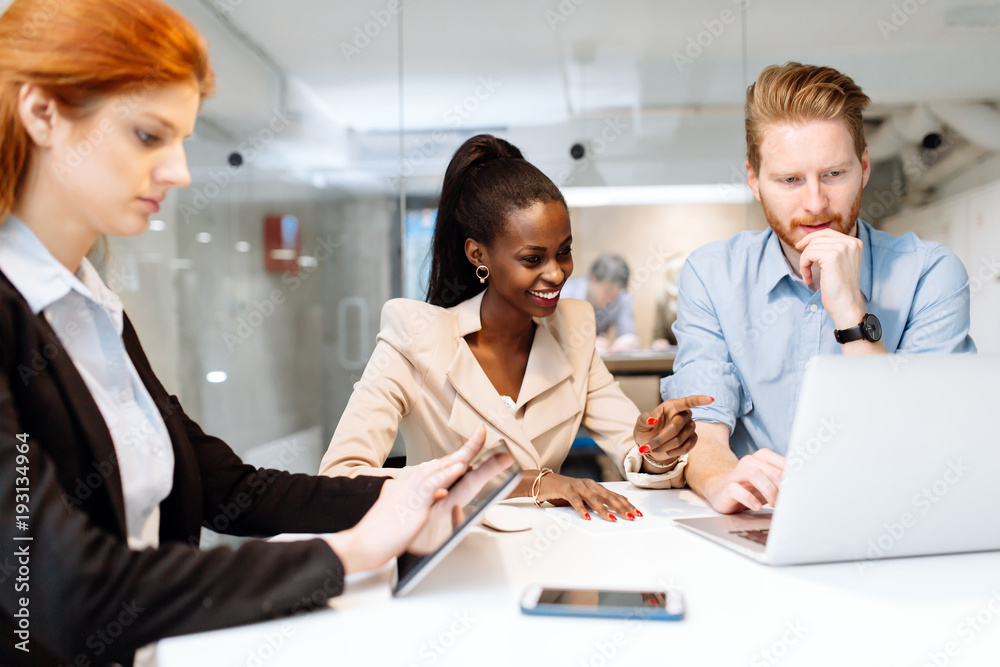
839	259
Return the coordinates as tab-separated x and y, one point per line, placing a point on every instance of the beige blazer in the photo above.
423	380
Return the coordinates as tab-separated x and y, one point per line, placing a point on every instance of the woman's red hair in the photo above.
81	51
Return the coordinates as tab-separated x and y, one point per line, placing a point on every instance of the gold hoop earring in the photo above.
482	278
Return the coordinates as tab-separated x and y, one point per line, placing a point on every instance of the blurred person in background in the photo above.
666	305
606	288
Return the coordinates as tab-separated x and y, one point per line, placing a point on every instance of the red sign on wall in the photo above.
282	243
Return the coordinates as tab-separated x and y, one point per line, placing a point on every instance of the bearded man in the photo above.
754	309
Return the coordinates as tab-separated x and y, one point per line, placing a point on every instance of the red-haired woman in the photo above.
104	481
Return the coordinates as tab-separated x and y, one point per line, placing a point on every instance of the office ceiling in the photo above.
653	88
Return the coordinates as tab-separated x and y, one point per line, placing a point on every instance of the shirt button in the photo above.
813	308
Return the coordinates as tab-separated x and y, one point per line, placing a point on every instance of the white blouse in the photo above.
88	319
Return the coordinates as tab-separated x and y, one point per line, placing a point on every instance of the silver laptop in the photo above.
889	456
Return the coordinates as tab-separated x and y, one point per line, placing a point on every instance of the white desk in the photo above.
893	612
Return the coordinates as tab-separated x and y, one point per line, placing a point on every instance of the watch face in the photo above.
872	328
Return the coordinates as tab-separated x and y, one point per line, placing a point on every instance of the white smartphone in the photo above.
661	605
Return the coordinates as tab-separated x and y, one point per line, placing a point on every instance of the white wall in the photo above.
647	235
969	224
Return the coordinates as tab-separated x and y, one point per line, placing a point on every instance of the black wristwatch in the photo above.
870	329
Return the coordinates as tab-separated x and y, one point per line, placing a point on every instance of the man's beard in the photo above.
785	231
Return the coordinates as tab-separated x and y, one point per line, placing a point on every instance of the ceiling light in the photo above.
157	225
215	377
639	195
203	237
242	246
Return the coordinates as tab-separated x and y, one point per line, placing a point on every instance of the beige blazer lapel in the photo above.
478	401
547	382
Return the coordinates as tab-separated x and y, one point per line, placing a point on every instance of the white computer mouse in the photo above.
507	518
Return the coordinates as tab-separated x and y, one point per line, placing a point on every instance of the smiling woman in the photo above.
496	345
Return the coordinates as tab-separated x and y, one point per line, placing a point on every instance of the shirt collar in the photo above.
776	265
41	278
867	275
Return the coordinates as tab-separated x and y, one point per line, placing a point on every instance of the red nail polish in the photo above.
651	421
587	516
613	517
638	513
645	449
631	516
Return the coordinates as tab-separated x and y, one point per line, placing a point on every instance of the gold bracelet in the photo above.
536	486
662	466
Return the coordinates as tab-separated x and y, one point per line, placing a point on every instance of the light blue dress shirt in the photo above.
746	324
88	319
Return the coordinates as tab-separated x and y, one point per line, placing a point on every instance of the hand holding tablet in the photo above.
421	511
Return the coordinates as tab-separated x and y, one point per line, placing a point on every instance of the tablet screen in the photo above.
467	502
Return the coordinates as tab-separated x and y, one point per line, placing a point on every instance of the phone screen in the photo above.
604	599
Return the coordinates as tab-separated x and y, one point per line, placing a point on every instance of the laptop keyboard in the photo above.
758	536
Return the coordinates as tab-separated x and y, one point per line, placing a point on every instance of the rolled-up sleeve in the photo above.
939	316
703	364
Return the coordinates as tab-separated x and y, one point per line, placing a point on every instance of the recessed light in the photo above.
216	377
242	246
203	237
157	225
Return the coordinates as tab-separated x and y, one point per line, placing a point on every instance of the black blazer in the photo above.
90	599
